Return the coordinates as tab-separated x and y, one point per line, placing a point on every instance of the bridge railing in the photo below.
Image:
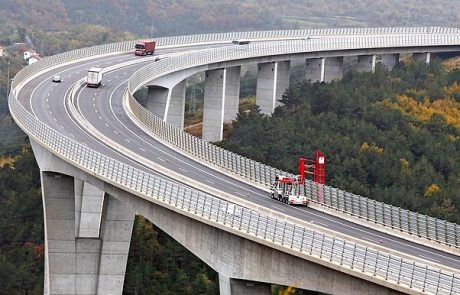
410	274
387	215
406	221
286	236
120	47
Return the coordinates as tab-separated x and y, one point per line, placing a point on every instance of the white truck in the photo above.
94	78
287	190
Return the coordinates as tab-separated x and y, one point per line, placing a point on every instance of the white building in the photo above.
34	58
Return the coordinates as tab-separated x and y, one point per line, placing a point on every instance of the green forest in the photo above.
156	265
161	18
390	135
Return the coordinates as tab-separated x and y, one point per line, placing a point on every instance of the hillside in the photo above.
392	136
393	143
159	18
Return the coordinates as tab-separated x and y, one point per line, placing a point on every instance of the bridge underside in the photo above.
237	259
95	258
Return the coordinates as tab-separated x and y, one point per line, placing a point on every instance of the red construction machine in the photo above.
287	189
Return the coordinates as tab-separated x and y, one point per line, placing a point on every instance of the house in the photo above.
1	51
34	58
28	54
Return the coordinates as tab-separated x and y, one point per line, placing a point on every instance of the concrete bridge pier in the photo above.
87	237
168	103
245	266
333	68
272	81
221	98
422	56
232	95
324	69
314	69
390	60
366	63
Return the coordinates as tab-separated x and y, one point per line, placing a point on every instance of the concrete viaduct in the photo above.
95	179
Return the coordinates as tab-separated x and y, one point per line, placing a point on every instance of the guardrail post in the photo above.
417	222
284	232
437	283
301	241
274	229
424	278
376	262
426	227
436	231
336	199
452	284
332	249
388	267
293	234
257	226
312	241
353	257
365	257
218	210
241	219
249	222
412	275
456	240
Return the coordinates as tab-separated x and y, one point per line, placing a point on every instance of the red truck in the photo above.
144	47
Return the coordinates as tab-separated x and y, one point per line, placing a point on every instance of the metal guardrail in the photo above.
219	37
413	223
407	273
255	225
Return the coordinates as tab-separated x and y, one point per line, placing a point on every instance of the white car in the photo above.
57	78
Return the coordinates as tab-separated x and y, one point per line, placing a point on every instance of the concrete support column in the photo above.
232	94
76	264
88	209
214	102
390	60
422	56
174	113
272	81
168	104
224	285
314	69
117	227
156	100
228	286
366	63
333	68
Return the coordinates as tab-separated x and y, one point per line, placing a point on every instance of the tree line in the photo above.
389	135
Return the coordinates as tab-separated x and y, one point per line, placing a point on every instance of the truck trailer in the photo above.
94	78
144	47
287	189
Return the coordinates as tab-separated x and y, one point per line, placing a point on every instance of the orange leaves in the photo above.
372	148
431	190
422	111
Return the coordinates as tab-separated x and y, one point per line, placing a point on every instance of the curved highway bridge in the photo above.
104	158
